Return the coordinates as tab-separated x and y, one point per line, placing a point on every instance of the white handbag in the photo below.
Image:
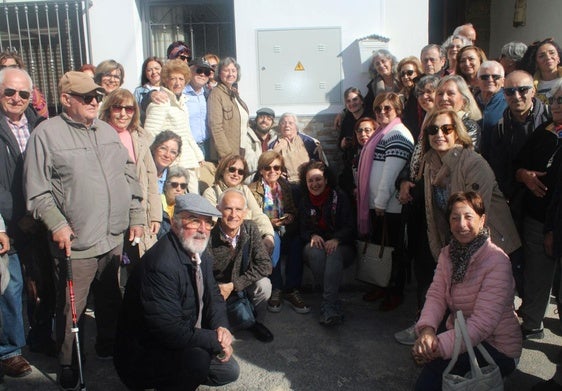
487	378
375	260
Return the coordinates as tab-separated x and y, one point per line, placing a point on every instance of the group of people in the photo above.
455	158
189	221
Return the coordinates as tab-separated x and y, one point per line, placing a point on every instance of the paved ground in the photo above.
359	355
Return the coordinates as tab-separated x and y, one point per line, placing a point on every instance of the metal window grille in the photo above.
50	36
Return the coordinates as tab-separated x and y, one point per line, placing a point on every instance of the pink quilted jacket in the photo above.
485	297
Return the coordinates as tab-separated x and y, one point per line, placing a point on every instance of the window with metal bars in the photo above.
50	36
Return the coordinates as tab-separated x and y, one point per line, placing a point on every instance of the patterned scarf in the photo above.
461	254
272	201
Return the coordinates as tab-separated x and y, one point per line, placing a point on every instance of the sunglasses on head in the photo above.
183	57
381	109
233	169
409	72
432	130
203	71
510	91
89	98
269	168
11	92
118	108
487	77
552	100
183	186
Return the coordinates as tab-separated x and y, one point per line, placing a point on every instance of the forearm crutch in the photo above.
74	328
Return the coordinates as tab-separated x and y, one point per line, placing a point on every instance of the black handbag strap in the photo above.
384	237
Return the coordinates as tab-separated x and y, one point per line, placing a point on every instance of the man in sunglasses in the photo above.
173	329
242	264
17	120
80	182
490	99
197	93
524	113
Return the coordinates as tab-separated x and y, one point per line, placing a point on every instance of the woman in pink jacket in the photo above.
473	275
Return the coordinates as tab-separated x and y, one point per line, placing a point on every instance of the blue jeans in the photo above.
328	269
12	336
291	247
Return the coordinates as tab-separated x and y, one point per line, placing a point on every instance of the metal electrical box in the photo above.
299	66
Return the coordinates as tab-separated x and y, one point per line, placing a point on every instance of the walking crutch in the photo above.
74	328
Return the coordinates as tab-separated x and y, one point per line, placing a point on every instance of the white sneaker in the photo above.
406	337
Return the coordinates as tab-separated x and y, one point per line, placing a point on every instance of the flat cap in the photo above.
75	82
266	111
196	204
200	62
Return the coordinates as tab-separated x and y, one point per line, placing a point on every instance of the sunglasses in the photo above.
269	168
552	100
183	57
383	109
487	77
214	66
176	184
11	92
510	91
111	76
432	130
409	72
364	130
233	169
203	71
89	98
118	109
9	66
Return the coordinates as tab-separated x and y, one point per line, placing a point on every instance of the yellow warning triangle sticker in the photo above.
299	67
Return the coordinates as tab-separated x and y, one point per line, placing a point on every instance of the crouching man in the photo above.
173	328
241	263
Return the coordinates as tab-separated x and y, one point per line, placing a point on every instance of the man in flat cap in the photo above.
173	329
79	181
259	139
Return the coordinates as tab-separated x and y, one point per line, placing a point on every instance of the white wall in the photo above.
404	22
543	21
116	34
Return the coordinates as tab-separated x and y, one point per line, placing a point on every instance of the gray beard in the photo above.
193	244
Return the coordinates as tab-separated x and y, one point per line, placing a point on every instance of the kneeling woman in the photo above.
473	275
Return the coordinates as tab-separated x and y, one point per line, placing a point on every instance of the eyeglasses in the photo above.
383	109
487	77
510	91
409	72
118	108
11	92
552	100
89	98
269	168
432	130
175	185
111	76
203	71
164	149
233	169
364	130
183	57
214	66
195	223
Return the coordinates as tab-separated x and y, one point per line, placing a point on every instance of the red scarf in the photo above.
318	202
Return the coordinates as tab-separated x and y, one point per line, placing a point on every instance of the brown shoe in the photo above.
374	295
16	366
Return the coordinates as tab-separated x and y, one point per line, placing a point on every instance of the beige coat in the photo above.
462	169
148	180
224	121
